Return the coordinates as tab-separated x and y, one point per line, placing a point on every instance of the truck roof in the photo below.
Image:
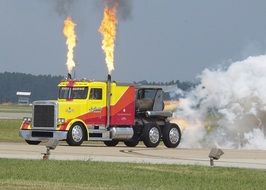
84	82
149	87
88	82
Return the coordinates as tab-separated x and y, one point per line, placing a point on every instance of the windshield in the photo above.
147	93
73	92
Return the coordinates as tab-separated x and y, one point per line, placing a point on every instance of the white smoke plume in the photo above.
228	108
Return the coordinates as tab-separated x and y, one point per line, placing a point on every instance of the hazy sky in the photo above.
161	40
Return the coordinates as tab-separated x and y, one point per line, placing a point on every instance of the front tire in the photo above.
134	141
75	135
171	135
131	142
33	142
111	143
151	135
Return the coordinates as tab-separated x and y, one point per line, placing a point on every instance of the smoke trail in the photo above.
228	108
63	7
124	7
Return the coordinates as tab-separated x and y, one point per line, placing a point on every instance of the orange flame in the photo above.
108	32
69	32
181	122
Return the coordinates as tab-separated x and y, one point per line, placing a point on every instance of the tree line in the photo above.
183	85
44	87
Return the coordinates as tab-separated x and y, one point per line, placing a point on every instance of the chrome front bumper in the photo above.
27	135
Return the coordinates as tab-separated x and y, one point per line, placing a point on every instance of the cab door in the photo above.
97	105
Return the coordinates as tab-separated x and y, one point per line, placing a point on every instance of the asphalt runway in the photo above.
160	155
7	115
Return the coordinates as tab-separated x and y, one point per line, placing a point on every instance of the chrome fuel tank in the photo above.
121	133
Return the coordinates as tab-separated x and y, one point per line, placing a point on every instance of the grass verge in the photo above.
9	130
38	174
15	108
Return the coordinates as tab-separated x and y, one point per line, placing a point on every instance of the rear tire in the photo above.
75	135
171	135
33	142
111	143
151	135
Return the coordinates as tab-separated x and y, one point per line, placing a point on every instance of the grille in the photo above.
43	116
96	135
42	134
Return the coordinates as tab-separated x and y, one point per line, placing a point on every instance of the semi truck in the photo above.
105	111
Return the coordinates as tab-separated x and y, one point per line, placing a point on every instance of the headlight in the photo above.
60	121
27	119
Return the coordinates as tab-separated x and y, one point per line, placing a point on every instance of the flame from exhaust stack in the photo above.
69	32
108	32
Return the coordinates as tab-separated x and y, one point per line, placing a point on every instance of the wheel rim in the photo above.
154	135
173	135
77	133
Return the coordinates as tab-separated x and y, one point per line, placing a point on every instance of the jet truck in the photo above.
102	111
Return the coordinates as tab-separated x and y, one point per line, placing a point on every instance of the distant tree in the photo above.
187	85
41	86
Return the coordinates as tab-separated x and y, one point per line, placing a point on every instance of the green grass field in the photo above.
9	129
38	174
15	108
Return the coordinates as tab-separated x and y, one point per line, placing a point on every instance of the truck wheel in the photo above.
134	141
171	135
33	142
151	135
111	143
131	143
75	135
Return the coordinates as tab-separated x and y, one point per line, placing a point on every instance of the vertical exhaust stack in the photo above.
69	77
108	101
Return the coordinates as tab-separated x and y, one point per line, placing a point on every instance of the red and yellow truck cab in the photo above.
101	110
